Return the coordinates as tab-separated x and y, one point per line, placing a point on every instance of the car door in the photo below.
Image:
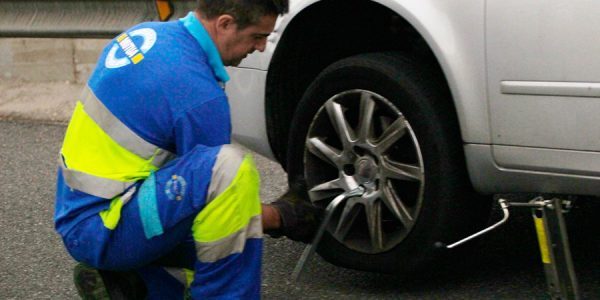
543	67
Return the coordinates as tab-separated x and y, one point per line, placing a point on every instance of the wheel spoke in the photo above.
341	126
401	171
326	190
368	142
347	218
373	211
365	120
324	151
396	206
393	133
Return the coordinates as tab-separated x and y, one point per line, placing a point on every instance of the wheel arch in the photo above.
323	32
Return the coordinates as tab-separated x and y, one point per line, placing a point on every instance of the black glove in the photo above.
300	219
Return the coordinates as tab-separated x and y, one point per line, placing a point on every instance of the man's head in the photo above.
239	27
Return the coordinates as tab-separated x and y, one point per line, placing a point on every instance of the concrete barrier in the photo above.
44	60
40	79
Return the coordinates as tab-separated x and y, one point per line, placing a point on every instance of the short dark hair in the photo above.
245	12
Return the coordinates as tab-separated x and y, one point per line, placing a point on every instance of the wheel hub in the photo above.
366	170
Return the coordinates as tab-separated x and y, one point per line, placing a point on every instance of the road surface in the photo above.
503	265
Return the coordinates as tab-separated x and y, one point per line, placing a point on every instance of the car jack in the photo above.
331	208
553	241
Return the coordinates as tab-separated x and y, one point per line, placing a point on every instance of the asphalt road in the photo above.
503	265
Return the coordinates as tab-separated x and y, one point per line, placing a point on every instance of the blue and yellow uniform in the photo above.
146	169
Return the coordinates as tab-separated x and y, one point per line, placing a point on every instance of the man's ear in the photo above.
225	23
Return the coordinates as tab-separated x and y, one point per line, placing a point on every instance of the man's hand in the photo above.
299	218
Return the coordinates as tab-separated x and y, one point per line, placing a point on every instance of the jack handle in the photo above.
504	205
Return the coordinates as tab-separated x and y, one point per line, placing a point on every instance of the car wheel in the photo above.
386	123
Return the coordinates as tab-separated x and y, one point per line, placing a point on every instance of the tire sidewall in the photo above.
417	95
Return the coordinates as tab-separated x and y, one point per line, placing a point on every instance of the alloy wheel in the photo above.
359	138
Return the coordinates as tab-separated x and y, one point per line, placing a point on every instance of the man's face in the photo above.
236	44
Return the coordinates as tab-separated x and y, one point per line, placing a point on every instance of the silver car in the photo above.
427	104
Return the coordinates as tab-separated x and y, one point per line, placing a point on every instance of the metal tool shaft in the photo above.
310	249
504	205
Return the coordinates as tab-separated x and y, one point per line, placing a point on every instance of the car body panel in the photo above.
247	114
535	125
488	177
543	90
542	74
451	37
454	30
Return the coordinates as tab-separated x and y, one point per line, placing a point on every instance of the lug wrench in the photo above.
310	249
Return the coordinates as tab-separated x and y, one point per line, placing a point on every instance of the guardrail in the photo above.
84	18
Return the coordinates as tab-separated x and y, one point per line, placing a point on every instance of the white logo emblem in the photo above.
175	188
133	53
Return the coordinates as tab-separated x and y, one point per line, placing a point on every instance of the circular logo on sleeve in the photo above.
175	188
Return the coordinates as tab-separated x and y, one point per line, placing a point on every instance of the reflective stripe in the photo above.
213	251
189	277
87	148
184	276
224	170
161	157
101	156
93	185
119	132
177	273
232	209
112	215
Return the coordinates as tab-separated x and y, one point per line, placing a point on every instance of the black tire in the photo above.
445	207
